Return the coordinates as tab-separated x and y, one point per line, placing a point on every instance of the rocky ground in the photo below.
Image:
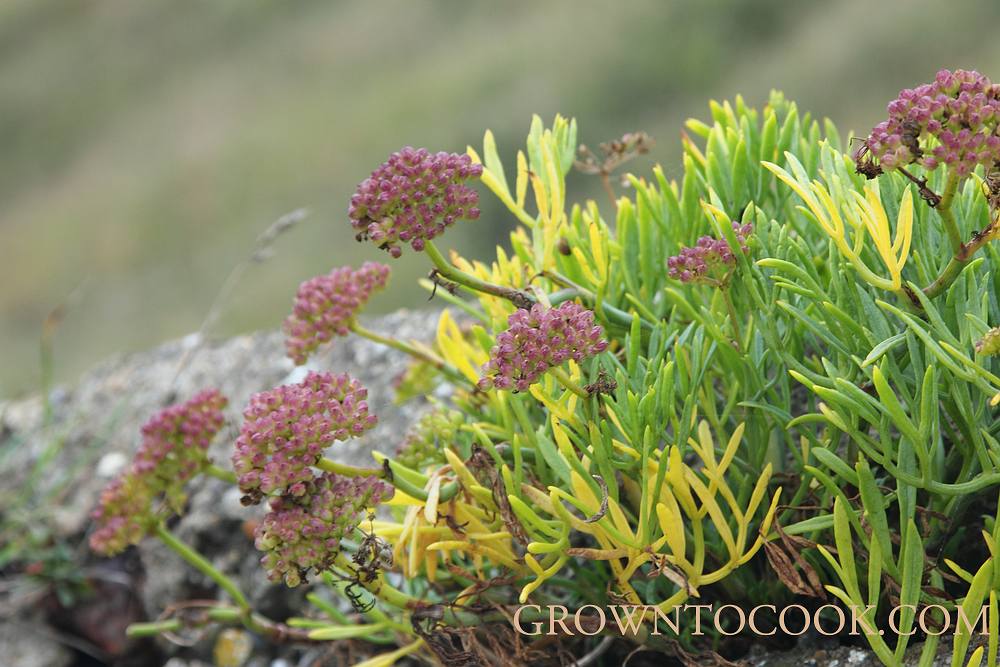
61	607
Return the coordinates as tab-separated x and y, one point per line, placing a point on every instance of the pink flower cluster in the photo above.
122	514
325	306
960	110
287	428
413	196
173	450
539	339
303	533
708	260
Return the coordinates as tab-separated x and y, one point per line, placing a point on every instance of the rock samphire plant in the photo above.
769	381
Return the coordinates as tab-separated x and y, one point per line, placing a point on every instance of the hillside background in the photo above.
145	145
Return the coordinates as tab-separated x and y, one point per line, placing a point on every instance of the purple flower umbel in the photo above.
286	430
539	339
303	533
325	306
413	196
173	450
952	121
708	261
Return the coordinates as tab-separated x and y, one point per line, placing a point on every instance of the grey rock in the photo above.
30	644
94	430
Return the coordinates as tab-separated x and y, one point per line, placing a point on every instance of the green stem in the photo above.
225	615
962	257
346	470
947	215
403	479
566	381
450	272
415	352
228	615
215	471
732	317
613	315
453	615
523	299
201	564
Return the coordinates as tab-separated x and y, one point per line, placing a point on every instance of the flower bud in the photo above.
537	340
325	306
413	196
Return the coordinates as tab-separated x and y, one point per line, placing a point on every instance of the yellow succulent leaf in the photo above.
584	494
597	242
400	499
466	477
389	659
494	554
672	525
433	494
731	448
457	351
904	229
541	576
710	505
676	478
758	491
521	186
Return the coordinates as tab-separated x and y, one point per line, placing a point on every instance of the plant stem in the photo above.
612	314
565	380
415	352
962	257
450	272
606	182
278	632
947	215
732	317
346	470
201	564
453	616
228	615
215	471
403	479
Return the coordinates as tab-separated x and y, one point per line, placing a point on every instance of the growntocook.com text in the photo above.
728	619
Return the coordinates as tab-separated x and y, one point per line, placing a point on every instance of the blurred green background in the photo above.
145	145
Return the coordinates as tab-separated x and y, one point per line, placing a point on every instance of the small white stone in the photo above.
856	657
230	505
191	340
110	464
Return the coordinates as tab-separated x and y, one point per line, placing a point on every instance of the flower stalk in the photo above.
450	272
414	351
200	563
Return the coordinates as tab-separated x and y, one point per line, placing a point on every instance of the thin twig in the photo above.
263	249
